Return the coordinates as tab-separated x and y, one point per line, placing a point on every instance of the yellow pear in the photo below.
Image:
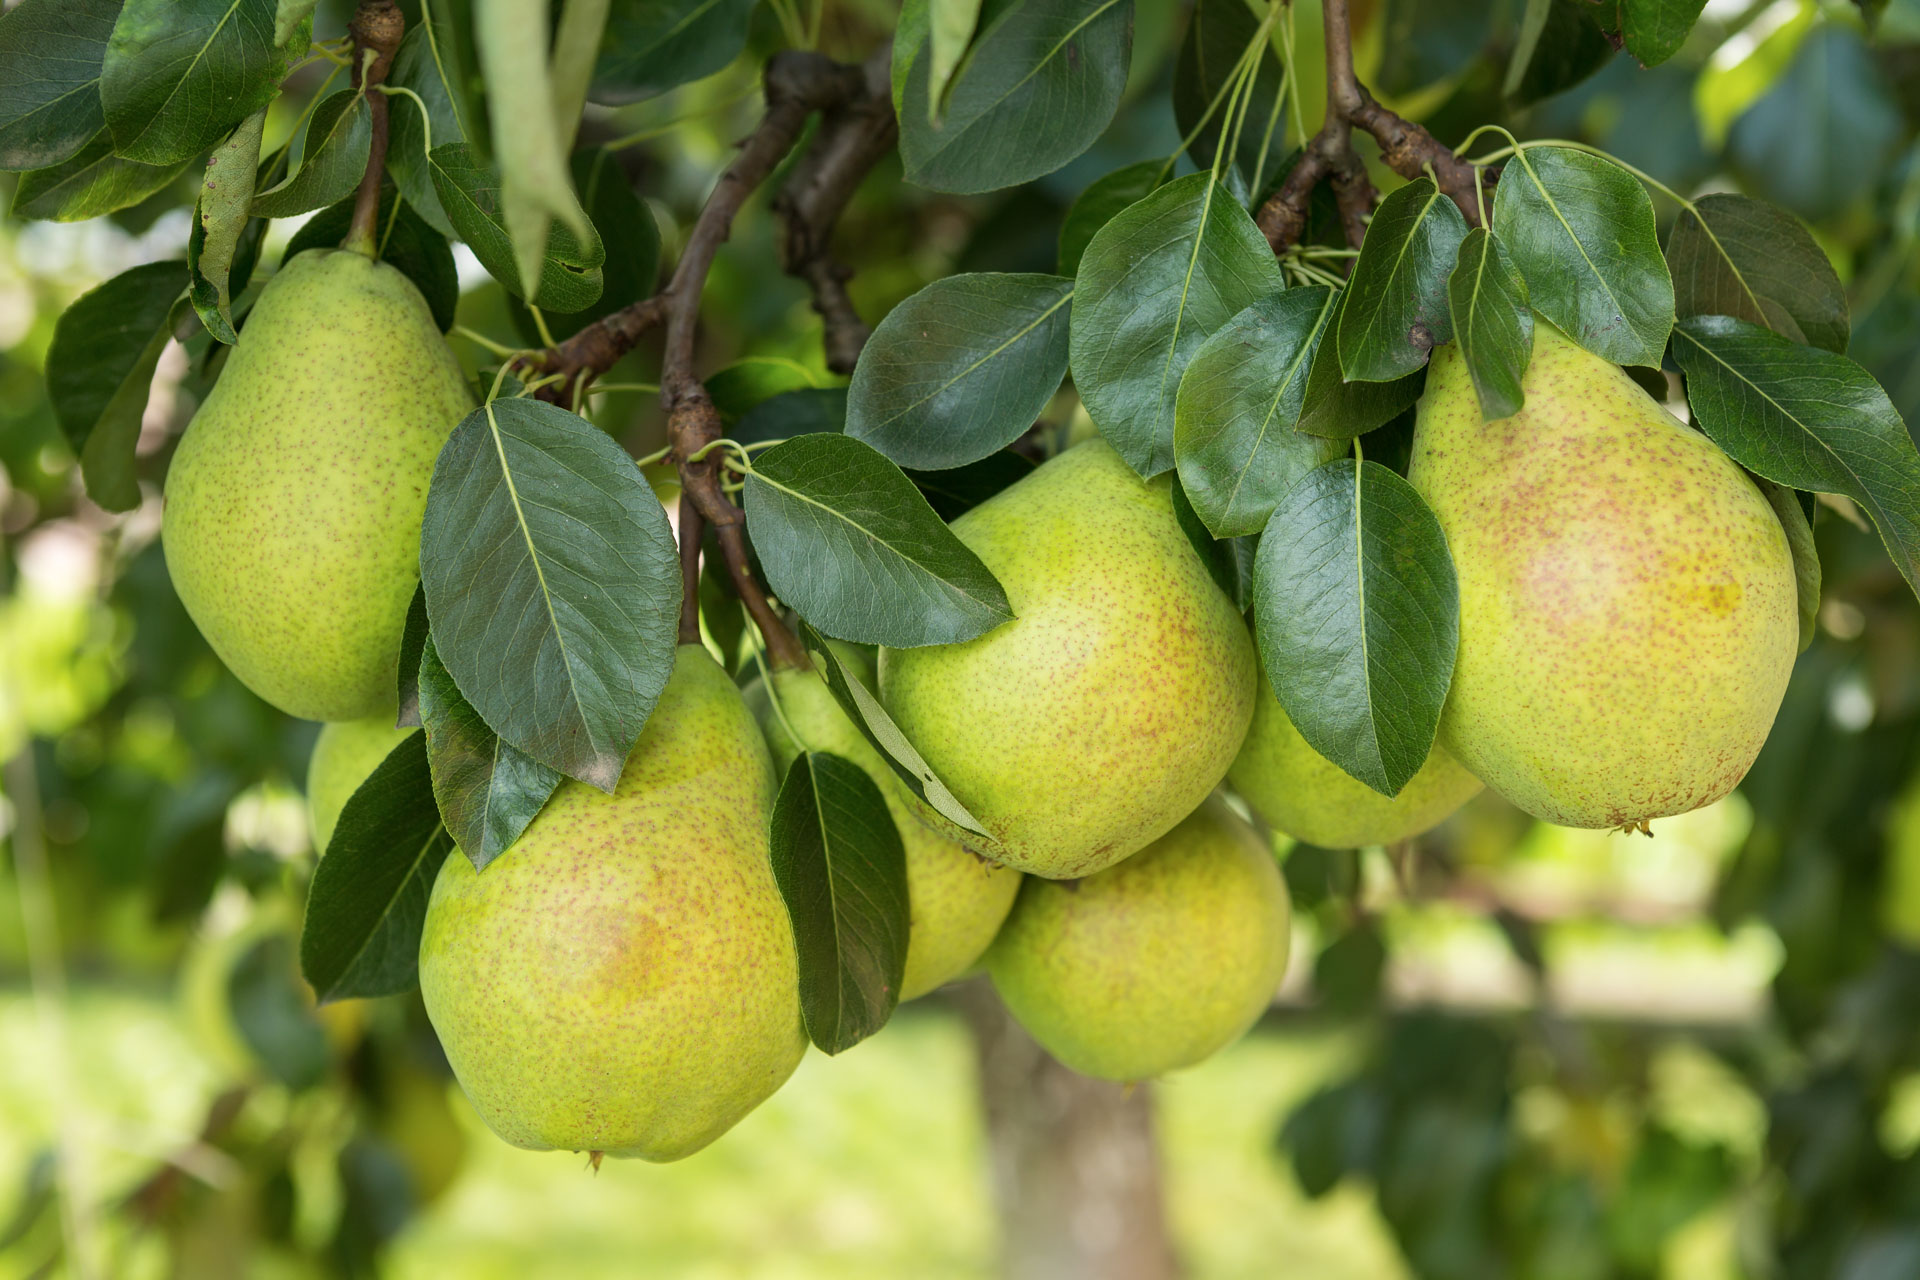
623	979
292	525
1628	615
957	900
1297	790
1154	964
344	754
1113	702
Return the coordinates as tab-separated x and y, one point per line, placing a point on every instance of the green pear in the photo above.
344	755
1154	964
292	525
623	979
1114	701
957	901
1627	602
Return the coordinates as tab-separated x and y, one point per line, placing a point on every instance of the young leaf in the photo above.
92	182
1156	282
179	74
487	790
1041	82
369	894
52	50
1491	319
469	192
1732	255
406	242
1654	30
413	643
950	25
1218	34
654	45
553	584
848	541
878	728
288	15
1806	556
1229	561
1805	418
1395	311
99	366
1580	230
1356	610
1239	400
961	369
576	45
423	64
1095	207
1341	410
843	873
333	157
219	220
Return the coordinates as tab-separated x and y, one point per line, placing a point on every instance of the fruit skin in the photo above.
623	978
1113	702
1154	964
292	525
1297	790
344	755
1627	602
958	901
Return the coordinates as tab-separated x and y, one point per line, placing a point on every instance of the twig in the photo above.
377	26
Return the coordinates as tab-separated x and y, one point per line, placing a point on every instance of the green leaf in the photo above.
333	158
469	190
52	50
629	235
1229	561
1559	45
1654	30
1806	556
1395	312
179	74
1492	322
219	221
1239	400
1426	41
961	369
99	367
405	242
1356	610
424	64
1097	205
1156	282
878	728
553	584
369	894
1580	229
950	25
576	45
747	383
1218	34
487	790
849	543
94	181
843	872
958	490
1341	410
1040	83
288	15
273	1017
1732	255
654	45
1805	418
793	413
413	644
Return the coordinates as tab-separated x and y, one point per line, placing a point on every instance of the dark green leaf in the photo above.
220	221
93	182
1492	322
1425	41
1357	613
369	893
1156	282
426	65
1559	45
553	584
1096	206
1655	29
413	643
868	716
51	51
653	45
487	790
1395	311
1580	229
1804	418
793	413
288	15
333	157
178	74
629	235
469	191
405	242
271	1013
1341	410
1239	400
849	543
958	490
1229	561
1806	557
961	369
1040	83
1732	255
1218	33
750	381
843	872
99	366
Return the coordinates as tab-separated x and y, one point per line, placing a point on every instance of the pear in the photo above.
292	524
1297	790
1112	704
344	755
957	901
623	979
1627	602
1154	964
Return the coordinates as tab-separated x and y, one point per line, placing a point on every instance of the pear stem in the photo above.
377	26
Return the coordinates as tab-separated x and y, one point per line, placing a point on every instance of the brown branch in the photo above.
376	27
1409	150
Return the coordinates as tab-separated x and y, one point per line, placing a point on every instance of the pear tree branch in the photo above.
376	27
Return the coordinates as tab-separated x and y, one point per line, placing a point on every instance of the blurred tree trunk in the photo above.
1076	1165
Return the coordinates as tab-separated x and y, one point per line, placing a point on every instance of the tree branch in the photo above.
376	27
